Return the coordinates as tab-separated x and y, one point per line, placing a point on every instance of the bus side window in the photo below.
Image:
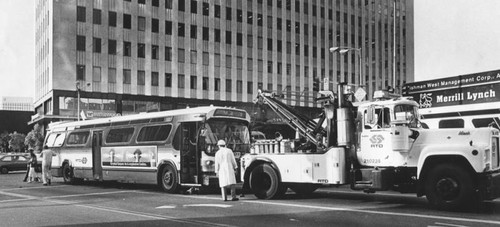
77	138
119	135
483	122
451	123
155	133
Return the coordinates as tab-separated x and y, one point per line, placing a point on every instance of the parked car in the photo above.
256	135
13	162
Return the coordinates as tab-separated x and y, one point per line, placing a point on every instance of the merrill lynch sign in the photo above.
466	89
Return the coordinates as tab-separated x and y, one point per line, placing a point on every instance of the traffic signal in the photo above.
316	84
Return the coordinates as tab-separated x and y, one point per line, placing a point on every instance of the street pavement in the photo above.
115	204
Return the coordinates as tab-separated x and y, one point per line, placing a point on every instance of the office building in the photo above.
130	56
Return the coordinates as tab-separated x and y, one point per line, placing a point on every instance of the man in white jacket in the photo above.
46	165
225	165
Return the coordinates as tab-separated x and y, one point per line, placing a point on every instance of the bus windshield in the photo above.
55	139
235	133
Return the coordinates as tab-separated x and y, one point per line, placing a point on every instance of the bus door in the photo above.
96	154
190	156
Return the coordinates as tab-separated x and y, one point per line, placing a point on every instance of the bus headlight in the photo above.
209	163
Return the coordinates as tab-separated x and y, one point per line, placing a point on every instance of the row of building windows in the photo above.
155	49
205	7
155	23
193	80
229	62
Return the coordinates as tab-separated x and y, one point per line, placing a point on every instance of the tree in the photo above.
34	139
4	141
16	142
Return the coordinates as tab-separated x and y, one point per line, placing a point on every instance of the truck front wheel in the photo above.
449	187
265	183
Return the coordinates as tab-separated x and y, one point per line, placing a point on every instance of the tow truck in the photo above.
375	146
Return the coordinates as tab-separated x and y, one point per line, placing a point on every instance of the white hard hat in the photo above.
221	143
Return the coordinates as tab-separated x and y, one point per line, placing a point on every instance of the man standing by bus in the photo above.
46	164
225	165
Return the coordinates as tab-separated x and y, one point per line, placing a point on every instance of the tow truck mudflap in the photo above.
489	185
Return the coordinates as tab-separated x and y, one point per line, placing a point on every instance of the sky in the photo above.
456	37
17	48
452	37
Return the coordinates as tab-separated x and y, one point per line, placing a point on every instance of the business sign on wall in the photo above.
465	89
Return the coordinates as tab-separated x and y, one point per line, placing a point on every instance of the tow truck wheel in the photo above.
169	179
449	187
265	184
304	189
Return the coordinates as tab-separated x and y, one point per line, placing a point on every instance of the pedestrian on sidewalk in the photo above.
46	164
225	165
30	171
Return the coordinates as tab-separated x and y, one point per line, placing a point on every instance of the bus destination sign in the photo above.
229	113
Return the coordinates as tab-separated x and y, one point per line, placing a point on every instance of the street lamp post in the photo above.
343	50
78	100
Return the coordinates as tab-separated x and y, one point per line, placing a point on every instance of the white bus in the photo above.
172	149
473	121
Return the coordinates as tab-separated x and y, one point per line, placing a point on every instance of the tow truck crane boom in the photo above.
305	126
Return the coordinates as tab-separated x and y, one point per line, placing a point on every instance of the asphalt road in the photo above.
114	204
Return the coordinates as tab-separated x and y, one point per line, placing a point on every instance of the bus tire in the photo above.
265	184
449	187
68	175
169	179
304	189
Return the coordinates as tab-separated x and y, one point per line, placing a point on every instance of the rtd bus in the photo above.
171	148
465	121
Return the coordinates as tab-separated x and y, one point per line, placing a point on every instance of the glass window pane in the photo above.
77	138
120	135
154	133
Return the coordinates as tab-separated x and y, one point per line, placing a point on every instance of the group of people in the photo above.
34	168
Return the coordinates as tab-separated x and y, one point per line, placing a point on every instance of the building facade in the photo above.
130	56
17	103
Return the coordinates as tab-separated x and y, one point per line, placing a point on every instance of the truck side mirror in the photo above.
371	115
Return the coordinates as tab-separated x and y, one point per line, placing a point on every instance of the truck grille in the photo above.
495	158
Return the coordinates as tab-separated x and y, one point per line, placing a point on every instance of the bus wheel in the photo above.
449	187
304	189
68	175
264	182
169	180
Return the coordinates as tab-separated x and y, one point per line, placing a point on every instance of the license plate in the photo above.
237	154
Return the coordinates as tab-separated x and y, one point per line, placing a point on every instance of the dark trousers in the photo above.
27	172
